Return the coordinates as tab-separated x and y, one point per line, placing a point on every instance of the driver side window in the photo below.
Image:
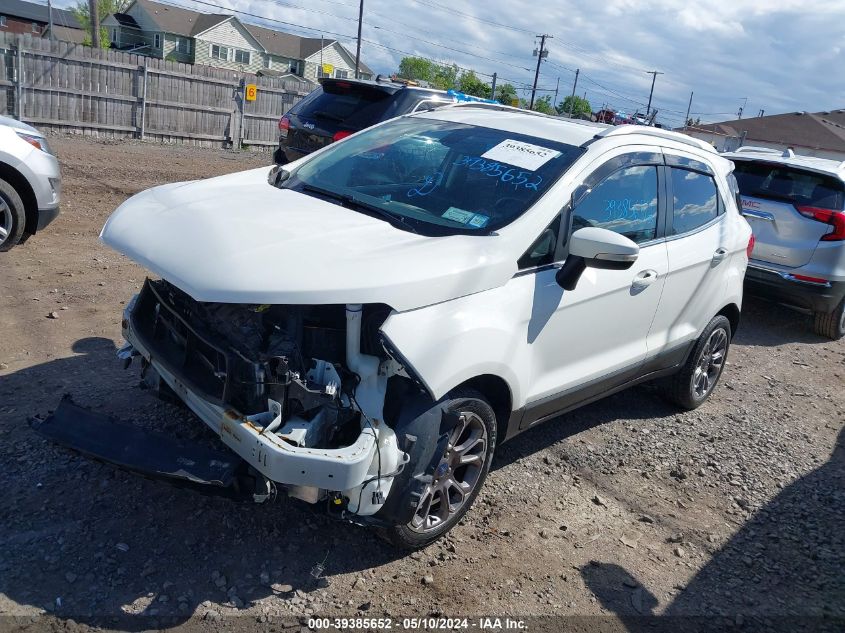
625	202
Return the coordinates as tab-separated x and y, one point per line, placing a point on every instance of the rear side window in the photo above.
787	184
344	103
624	202
695	200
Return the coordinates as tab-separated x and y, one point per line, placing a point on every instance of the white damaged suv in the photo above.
365	328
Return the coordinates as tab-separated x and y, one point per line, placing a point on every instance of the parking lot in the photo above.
624	508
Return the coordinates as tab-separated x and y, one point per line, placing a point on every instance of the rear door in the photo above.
775	199
336	109
698	242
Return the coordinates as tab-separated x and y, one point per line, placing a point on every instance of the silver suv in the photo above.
796	208
30	184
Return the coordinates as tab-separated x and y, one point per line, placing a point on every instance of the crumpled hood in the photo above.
237	239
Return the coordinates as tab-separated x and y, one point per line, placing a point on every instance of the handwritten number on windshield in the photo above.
429	184
508	175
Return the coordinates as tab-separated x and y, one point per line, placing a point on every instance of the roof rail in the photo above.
490	106
756	150
506	108
624	130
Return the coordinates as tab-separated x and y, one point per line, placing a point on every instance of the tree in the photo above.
104	9
505	94
445	77
578	105
417	69
421	69
472	85
692	123
544	105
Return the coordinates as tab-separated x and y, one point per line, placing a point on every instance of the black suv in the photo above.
340	107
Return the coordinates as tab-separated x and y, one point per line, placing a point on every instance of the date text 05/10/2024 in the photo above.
418	624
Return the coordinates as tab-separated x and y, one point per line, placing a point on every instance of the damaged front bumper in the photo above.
304	429
281	462
357	476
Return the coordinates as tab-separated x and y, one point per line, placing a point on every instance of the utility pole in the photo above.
557	87
50	19
653	74
741	108
358	47
689	107
94	14
542	53
493	87
572	96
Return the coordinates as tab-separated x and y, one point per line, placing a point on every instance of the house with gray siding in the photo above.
224	41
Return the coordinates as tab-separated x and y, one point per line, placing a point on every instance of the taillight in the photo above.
836	219
812	280
342	134
284	126
750	247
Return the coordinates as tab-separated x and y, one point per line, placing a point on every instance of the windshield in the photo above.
780	182
436	177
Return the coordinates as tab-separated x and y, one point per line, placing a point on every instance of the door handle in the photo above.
719	255
644	278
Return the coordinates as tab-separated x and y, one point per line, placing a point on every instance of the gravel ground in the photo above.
624	508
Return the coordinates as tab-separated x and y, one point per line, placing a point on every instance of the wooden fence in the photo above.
73	88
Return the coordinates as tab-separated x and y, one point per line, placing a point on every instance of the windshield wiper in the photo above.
351	201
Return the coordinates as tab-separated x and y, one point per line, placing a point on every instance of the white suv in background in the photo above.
796	208
372	323
30	183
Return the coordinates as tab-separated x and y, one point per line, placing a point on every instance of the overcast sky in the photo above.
783	55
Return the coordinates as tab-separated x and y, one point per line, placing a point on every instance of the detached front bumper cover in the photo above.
149	453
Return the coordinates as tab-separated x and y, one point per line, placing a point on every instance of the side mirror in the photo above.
592	247
277	175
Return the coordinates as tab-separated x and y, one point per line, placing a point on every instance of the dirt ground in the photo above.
623	509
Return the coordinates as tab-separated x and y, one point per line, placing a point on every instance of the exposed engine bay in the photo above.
299	392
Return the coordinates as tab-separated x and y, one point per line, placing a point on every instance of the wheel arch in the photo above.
731	312
497	392
22	186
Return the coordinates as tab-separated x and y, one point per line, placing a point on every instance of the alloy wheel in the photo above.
710	363
456	476
5	220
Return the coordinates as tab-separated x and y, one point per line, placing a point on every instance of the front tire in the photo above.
831	324
12	216
458	476
691	386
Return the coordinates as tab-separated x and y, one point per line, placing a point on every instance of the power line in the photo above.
517	83
470	16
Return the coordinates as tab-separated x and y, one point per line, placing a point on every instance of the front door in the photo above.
595	336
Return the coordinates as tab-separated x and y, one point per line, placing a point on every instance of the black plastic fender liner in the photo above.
422	430
149	453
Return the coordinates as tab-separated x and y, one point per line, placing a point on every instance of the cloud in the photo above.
781	56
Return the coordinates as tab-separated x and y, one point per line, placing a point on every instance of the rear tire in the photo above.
831	324
12	216
458	477
690	387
